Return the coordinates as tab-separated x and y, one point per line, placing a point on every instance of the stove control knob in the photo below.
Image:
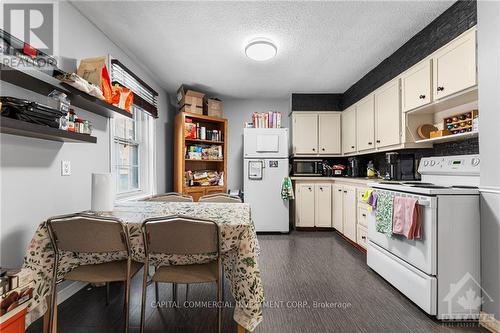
426	163
433	163
475	161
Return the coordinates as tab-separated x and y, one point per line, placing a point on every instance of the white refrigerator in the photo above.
265	152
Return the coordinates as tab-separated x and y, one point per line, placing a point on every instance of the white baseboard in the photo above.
69	291
489	322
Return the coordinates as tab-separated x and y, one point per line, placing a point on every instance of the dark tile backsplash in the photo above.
317	102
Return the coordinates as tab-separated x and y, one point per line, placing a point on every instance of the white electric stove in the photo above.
428	270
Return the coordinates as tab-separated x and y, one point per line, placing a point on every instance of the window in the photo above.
132	154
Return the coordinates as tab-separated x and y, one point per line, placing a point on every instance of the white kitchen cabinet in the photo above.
329	133
337	208
316	133
416	86
362	237
349	130
305	133
387	115
323	205
305	205
349	212
454	66
365	124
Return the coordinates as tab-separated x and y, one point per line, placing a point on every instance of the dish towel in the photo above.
372	201
383	216
366	198
406	218
287	189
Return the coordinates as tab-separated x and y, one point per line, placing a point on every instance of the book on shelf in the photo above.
269	119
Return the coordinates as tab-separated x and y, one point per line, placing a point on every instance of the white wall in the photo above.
489	105
239	111
31	186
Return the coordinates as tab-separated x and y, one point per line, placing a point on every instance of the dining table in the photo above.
239	249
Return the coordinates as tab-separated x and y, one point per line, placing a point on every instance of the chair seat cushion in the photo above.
105	272
187	273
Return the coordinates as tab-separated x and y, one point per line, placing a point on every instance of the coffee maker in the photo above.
353	167
392	163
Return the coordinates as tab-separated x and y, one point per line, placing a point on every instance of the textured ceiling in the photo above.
322	46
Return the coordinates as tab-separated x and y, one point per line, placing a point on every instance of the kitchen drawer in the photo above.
362	236
363	215
359	193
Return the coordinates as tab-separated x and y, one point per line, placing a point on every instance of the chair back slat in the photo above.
181	235
220	197
171	197
88	234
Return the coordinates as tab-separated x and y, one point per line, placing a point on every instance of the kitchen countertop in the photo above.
357	180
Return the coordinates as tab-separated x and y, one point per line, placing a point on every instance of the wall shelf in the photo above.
22	128
190	160
42	83
205	141
449	138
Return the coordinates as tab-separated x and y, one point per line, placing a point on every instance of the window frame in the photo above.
146	157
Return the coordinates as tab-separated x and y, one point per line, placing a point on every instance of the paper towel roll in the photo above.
103	192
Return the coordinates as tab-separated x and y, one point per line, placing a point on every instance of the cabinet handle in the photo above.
370	143
309	188
321	189
352	147
314	149
363	237
339	190
440	88
421	96
378	141
364	215
345	191
323	149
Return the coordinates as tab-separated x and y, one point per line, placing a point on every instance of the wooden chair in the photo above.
90	234
182	236
220	197
171	197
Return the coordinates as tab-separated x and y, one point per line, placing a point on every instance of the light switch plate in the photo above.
65	168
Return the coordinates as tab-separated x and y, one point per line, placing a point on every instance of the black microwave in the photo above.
307	168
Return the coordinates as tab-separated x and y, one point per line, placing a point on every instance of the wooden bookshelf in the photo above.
183	164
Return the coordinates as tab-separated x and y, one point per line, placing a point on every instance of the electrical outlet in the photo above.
65	168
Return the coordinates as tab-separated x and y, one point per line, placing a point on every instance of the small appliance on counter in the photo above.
307	167
339	170
392	160
400	166
353	167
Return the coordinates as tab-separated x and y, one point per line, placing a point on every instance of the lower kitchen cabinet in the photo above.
323	205
362	236
349	212
304	205
337	208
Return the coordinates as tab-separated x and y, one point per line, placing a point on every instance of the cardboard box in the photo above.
189	97
192	109
214	107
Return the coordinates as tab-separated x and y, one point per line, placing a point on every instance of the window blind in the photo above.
145	97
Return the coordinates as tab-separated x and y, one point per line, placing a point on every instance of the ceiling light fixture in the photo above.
261	50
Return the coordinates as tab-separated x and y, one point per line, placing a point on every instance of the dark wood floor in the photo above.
301	271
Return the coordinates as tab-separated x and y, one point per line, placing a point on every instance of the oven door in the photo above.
306	168
420	253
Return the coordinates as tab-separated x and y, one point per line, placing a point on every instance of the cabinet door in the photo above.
305	205
329	133
337	208
349	212
349	130
387	115
305	133
416	86
323	205
455	66
365	123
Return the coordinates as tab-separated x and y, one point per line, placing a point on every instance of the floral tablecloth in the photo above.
239	251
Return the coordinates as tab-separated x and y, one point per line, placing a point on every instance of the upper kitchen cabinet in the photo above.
387	115
416	86
349	130
305	133
316	133
329	133
365	125
454	66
